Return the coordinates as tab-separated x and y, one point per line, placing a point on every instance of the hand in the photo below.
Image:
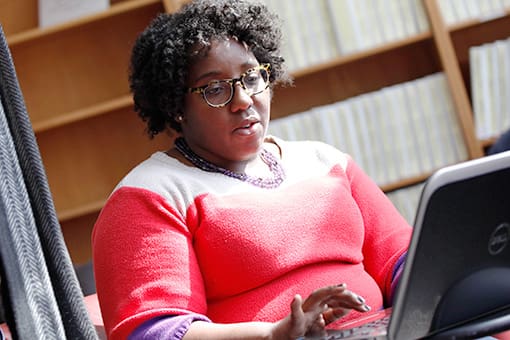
322	307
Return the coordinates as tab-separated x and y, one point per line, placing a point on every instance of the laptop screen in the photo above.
458	265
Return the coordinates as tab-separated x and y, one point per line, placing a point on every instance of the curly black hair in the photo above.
164	51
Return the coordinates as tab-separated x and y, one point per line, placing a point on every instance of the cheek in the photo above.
191	103
195	110
264	106
193	116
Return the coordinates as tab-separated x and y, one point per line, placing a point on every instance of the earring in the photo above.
179	118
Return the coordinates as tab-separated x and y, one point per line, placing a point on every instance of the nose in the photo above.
241	100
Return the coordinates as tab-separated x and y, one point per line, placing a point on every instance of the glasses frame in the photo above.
201	89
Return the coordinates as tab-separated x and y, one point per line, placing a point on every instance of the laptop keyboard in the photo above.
374	328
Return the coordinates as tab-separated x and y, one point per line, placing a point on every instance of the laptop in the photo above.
456	279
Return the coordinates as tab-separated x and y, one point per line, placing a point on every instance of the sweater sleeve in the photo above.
166	327
387	233
139	227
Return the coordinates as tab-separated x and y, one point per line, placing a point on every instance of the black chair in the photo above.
501	144
40	291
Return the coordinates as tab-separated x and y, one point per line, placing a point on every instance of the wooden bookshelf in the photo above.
74	80
357	73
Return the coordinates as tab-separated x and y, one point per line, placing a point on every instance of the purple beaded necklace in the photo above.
267	157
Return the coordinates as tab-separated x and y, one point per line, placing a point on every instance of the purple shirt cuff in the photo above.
170	327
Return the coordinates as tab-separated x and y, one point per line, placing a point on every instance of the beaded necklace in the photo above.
267	157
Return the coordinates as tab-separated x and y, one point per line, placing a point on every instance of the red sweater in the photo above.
173	239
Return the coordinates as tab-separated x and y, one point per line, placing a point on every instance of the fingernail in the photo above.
343	285
360	299
366	308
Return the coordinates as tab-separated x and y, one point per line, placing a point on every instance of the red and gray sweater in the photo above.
173	239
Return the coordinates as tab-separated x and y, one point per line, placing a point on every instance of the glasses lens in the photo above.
255	81
218	93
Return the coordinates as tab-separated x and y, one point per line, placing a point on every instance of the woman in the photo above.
222	235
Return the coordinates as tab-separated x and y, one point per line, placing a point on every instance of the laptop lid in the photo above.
458	265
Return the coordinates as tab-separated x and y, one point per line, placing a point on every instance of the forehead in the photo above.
226	57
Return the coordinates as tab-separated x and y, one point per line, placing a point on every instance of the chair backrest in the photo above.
41	294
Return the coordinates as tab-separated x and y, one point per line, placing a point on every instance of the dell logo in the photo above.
499	239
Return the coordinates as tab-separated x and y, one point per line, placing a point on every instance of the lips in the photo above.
247	124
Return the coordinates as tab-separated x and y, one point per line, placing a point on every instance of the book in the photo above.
488	72
453	130
505	85
416	133
433	119
490	9
473	8
482	117
287	50
292	28
409	17
394	20
52	12
418	9
365	127
348	130
320	39
475	68
345	26
424	134
397	116
497	60
410	157
326	127
370	23
447	11
332	126
385	142
444	145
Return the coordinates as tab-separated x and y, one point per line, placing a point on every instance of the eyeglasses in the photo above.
219	93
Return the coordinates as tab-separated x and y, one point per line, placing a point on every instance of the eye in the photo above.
251	78
217	89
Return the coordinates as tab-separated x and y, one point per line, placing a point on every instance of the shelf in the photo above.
84	209
356	57
356	74
478	21
122	102
80	67
405	183
85	160
116	9
18	16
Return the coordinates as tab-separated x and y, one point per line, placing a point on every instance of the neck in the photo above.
269	164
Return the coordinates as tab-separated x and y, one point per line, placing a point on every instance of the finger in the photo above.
318	296
348	299
298	323
296	307
318	327
333	314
